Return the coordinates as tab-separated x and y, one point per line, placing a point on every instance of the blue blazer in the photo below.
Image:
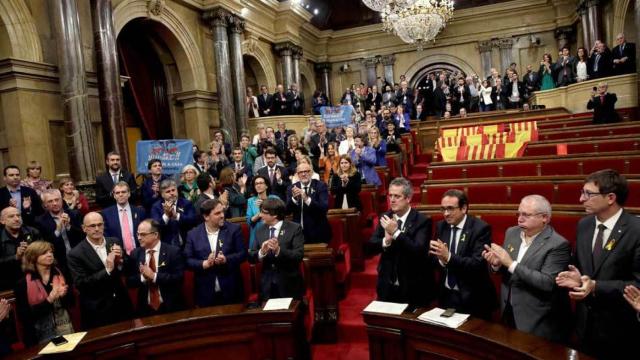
366	165
229	276
170	272
315	224
174	229
111	219
381	153
148	198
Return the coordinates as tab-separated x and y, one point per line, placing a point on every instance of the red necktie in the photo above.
154	291
127	237
601	99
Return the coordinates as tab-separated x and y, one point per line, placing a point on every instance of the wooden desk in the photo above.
223	332
405	337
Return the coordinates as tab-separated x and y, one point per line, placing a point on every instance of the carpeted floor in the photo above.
352	341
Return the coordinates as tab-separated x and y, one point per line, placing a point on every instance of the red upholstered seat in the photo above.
520	190
439	173
487	193
568	193
499	225
188	289
634	194
594	164
519	169
566	225
486	170
340	248
434	194
569	167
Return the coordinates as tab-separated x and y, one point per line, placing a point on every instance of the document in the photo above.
433	317
386	307
277	304
73	340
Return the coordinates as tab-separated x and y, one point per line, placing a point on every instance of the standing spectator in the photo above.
318	102
122	219
14	239
474	100
261	191
348	143
624	56
175	215
374	98
600	62
280	106
388	96
113	175
345	185
295	100
565	68
43	298
265	102
150	188
348	97
379	145
392	138
364	158
276	173
581	65
308	201
207	186
251	103
249	152
402	120
531	82
188	188
289	153
515	90
225	148
499	95
546	71
486	104
603	105
73	199
34	179
329	162
461	95
235	187
282	134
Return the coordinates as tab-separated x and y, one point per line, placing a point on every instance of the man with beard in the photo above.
113	175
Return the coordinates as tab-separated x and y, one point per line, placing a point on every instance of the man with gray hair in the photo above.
404	274
175	215
530	259
624	56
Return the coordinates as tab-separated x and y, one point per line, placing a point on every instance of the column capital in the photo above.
370	62
388	59
297	52
236	24
285	48
324	67
504	43
485	46
565	32
217	17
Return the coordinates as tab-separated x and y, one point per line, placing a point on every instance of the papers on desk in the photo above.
277	304
386	307
433	317
73	340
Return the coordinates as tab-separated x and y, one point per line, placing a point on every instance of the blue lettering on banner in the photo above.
335	116
174	154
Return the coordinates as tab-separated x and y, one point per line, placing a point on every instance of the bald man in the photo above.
96	264
14	238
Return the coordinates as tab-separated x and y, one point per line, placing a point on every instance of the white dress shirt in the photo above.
609	223
213	243
276	233
147	258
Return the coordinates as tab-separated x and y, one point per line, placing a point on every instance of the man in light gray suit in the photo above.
532	256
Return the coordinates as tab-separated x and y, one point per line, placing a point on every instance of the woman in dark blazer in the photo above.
345	185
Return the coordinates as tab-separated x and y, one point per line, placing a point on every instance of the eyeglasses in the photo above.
143	234
304	171
448	209
589	194
527	215
95	226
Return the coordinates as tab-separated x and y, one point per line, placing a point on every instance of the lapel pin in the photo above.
510	247
610	244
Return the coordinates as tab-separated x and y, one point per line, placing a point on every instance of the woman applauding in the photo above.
345	185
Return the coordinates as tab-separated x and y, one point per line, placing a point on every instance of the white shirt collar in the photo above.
460	225
277	227
533	237
126	207
156	248
610	222
97	247
403	218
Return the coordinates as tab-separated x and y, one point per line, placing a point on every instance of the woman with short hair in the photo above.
73	199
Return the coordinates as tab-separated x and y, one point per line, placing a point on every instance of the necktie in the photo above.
127	237
115	179
306	190
63	233
272	232
601	99
399	224
597	248
451	279
271	175
595	63
154	291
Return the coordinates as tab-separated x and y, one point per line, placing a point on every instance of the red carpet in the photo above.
352	341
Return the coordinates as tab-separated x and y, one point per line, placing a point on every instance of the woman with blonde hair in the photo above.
73	199
347	144
34	180
329	161
379	145
289	154
43	296
345	185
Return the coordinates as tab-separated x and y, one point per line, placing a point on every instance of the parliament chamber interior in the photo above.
319	179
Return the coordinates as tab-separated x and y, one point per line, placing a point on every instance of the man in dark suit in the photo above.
265	102
175	215
374	98
531	82
96	266
565	68
624	56
606	260
239	167
22	198
156	269
404	273
532	255
150	188
113	175
600	63
460	239
461	96
14	239
514	91
603	105
308	201
276	174
321	138
282	134
404	97
121	219
279	246
60	227
215	250
295	100
280	105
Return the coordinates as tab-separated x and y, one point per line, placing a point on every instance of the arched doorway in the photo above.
308	93
419	80
145	60
254	75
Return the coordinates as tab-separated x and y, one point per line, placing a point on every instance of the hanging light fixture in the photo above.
419	22
381	5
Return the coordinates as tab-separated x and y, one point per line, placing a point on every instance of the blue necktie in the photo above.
272	232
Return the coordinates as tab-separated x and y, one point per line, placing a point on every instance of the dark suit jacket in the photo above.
148	196
295	102
509	89
103	297
280	190
112	227
352	190
605	65
47	226
604	112
606	324
539	306
629	66
374	100
174	229
10	267
477	294
228	275
28	215
569	67
280	105
170	272
531	82
316	227
265	104
104	187
406	261
281	273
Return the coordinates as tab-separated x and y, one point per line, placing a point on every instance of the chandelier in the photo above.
418	22
381	5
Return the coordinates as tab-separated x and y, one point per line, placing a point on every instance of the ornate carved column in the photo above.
370	65
505	45
594	20
285	50
564	36
388	61
325	71
236	28
296	56
109	89
484	47
587	42
73	88
218	19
